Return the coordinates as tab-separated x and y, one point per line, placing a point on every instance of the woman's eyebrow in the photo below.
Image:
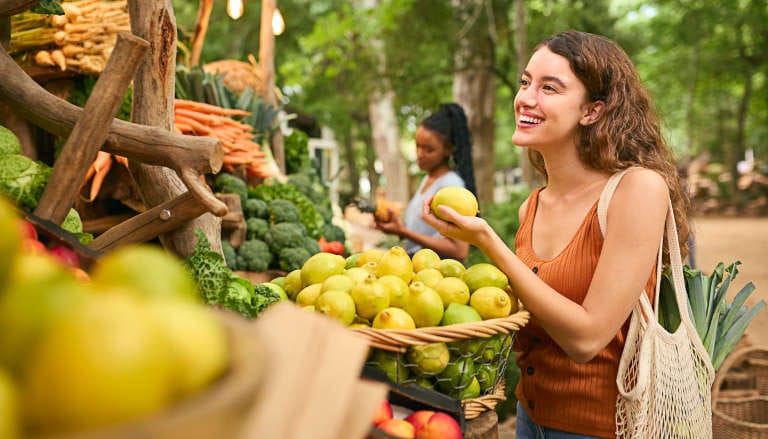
554	79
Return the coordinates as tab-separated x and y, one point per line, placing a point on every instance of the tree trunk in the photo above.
153	94
690	112
267	62
738	149
386	142
530	176
385	131
474	88
351	171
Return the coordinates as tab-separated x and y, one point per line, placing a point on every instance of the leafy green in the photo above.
718	323
219	285
9	143
309	216
296	152
48	7
23	179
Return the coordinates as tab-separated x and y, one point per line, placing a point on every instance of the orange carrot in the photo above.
208	108
197	127
98	171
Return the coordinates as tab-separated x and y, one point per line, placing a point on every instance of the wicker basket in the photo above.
465	340
742	415
219	412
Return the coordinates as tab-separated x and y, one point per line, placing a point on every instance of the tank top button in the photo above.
531	405
535	269
529	370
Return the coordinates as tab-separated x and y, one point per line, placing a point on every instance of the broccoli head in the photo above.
229	184
257	227
282	211
311	246
332	232
284	235
255	208
292	258
230	254
253	255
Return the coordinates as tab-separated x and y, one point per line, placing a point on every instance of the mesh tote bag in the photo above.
664	379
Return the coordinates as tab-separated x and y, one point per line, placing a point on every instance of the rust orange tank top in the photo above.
555	391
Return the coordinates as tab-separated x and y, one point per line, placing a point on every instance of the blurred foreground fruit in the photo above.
9	411
10	239
383	413
399	428
195	339
101	364
434	425
147	269
457	198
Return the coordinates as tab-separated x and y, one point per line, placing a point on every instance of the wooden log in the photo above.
92	128
153	97
152	145
485	426
12	7
160	219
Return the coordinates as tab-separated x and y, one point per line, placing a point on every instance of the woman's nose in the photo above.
526	96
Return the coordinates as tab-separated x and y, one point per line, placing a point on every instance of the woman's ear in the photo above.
593	112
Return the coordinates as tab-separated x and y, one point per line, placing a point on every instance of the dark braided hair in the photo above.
450	125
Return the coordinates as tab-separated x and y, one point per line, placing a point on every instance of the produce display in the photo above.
237	138
285	225
82	351
419	424
80	40
387	289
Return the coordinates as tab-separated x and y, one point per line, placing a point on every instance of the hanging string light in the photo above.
278	24
235	9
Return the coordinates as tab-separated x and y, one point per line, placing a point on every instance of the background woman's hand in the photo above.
469	229
394	226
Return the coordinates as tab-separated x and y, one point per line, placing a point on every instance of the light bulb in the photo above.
235	9
278	24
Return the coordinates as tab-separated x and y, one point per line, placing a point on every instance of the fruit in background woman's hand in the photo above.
457	198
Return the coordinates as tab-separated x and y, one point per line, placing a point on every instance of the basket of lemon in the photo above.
429	321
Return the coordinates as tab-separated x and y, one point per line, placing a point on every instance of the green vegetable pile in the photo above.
219	286
23	180
720	324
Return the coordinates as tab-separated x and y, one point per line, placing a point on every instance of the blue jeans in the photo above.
525	428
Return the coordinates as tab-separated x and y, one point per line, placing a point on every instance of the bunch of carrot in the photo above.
201	119
81	40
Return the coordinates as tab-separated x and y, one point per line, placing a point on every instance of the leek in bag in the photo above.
719	324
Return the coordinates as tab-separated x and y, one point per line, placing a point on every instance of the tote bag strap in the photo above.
676	264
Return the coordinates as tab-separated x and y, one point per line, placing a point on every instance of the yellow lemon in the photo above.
320	267
452	290
308	295
292	283
357	274
336	304
393	318
398	289
425	258
458	198
369	255
450	267
424	305
338	282
491	302
484	275
370	297
9	410
396	262
428	276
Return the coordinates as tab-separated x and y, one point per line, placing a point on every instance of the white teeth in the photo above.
528	119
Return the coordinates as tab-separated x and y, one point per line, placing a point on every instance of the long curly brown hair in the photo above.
628	132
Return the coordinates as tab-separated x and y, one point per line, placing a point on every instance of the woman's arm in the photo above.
635	220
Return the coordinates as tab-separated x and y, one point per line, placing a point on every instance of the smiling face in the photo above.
550	104
432	153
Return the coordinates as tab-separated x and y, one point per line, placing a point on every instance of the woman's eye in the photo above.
524	82
549	88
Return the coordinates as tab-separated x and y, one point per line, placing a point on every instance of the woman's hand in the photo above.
394	226
469	229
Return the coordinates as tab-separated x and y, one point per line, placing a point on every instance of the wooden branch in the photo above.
12	7
147	225
146	144
151	145
153	91
92	128
201	28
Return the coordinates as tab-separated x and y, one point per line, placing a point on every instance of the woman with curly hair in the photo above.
444	152
584	115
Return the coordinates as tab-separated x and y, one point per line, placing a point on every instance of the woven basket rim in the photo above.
399	339
474	407
740	422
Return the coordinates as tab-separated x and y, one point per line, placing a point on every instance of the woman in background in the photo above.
444	152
